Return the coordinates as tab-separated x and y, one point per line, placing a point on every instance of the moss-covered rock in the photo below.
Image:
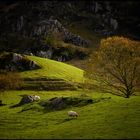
58	103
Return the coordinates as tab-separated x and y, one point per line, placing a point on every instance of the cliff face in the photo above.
34	20
27	17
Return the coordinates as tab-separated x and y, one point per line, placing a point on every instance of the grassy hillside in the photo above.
114	118
54	69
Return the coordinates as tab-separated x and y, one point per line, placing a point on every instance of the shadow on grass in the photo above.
1	104
67	120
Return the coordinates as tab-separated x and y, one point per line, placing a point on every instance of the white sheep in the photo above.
36	97
72	114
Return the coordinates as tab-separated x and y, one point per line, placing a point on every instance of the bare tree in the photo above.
115	67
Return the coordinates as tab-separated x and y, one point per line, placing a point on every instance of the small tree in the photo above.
116	66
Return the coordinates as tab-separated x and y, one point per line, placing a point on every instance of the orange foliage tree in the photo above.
115	66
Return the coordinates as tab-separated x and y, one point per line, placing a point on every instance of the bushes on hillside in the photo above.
10	80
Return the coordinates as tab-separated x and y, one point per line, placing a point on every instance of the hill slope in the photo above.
115	118
54	70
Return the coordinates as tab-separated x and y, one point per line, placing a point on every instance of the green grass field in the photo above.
115	118
54	69
112	118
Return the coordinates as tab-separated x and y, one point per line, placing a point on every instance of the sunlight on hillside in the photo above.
54	69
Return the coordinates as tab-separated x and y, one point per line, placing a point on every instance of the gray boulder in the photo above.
56	103
45	54
26	99
54	26
15	62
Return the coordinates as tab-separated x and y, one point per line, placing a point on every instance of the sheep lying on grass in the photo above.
72	114
36	97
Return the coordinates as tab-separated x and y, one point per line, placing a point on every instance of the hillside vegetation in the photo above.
112	118
54	61
53	69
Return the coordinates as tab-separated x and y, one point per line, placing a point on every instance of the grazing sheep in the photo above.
36	97
73	114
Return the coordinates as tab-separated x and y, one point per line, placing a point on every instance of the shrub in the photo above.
10	80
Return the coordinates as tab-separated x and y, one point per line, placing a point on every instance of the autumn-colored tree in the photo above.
115	66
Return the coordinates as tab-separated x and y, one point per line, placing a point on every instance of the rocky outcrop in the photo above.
26	99
45	27
34	20
37	28
74	39
45	54
14	62
58	103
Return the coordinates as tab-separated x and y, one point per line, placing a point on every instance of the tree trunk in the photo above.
127	95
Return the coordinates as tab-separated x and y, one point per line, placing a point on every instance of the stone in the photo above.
19	62
28	53
29	99
45	54
16	57
60	59
114	23
97	7
54	26
56	103
31	54
26	99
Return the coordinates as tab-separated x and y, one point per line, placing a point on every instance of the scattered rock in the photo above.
74	39
114	23
54	26
26	99
45	54
17	57
58	103
28	53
